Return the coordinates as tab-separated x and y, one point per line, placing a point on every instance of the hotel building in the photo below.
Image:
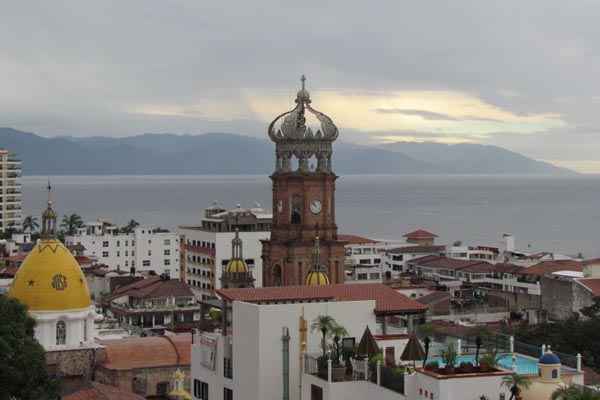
10	191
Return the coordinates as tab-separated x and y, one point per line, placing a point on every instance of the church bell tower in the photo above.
303	197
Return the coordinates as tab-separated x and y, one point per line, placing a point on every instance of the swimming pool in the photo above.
525	365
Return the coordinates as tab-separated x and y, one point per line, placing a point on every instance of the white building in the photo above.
207	246
10	191
145	249
247	361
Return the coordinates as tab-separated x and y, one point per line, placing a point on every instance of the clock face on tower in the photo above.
315	207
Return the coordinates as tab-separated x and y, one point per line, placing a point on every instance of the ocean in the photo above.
544	213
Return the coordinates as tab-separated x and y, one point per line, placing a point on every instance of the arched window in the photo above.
85	330
277	275
554	374
61	333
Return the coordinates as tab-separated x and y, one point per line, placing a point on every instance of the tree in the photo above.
325	324
23	373
130	227
70	223
515	383
574	393
30	224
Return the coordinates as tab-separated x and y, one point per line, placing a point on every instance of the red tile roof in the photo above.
441	262
387	300
154	287
420	234
508	268
9	271
354	239
147	352
548	267
591	284
418	249
99	391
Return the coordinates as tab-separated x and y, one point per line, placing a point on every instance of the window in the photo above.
162	388
167	252
200	389
146	263
149	253
105	244
316	392
227	368
118	254
167	242
149	241
126	243
118	243
105	254
61	333
227	394
167	261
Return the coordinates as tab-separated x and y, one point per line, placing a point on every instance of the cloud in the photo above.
428	115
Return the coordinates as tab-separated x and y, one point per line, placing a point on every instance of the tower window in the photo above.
61	333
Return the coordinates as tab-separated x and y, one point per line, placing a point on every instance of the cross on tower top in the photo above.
303	80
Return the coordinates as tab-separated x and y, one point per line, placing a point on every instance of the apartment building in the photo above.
10	191
142	250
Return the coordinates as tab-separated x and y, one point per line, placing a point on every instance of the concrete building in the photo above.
155	302
365	258
144	249
207	247
11	213
245	360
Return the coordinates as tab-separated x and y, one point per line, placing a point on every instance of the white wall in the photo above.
127	250
468	388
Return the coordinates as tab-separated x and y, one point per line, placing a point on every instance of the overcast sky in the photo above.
520	74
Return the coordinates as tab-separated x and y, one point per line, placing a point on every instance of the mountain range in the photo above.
224	153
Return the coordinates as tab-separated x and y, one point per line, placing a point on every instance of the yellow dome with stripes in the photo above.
50	279
316	278
236	265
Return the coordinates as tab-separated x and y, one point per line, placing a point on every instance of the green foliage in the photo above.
572	336
490	359
574	393
30	223
131	225
450	355
23	373
70	223
376	358
432	365
329	329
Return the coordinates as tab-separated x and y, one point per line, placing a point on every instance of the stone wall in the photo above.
75	362
563	298
143	381
515	301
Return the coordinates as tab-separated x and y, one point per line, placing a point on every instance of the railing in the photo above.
390	378
311	364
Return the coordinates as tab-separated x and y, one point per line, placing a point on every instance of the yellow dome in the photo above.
50	279
316	278
236	265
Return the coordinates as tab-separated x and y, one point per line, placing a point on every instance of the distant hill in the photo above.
223	153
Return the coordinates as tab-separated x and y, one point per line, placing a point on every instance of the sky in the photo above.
523	75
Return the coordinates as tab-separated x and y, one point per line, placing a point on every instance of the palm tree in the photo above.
325	324
574	393
338	332
131	225
515	383
70	223
30	223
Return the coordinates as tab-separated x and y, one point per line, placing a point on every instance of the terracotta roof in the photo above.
508	268
83	260
434	297
591	284
418	249
548	267
154	287
388	301
420	234
17	257
354	239
481	268
147	352
99	391
447	263
9	271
